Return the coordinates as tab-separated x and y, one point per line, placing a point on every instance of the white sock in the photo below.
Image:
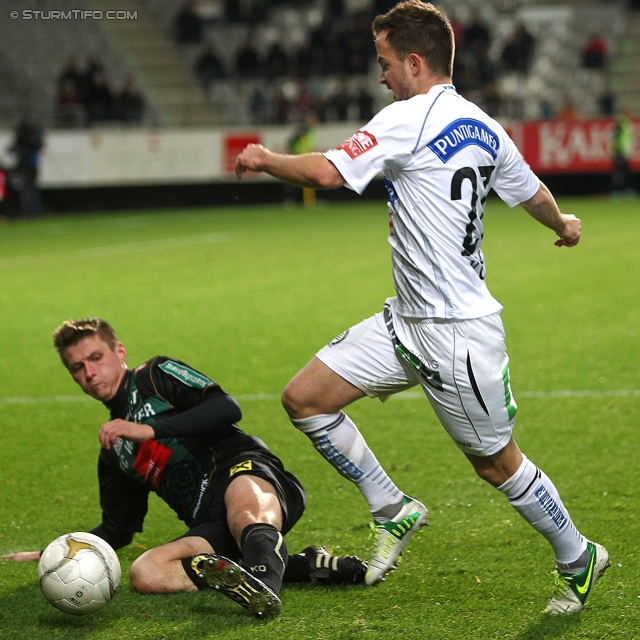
536	499
338	440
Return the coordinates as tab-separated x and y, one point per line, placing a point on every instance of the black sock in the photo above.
264	554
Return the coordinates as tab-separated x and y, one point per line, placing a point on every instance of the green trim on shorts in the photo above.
509	400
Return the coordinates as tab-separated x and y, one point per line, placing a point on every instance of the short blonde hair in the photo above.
70	332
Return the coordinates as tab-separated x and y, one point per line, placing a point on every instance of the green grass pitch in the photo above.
248	295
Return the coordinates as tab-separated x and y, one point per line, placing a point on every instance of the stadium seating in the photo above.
33	53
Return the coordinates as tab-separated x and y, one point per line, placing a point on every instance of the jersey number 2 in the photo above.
474	234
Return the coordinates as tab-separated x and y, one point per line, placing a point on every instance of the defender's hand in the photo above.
128	430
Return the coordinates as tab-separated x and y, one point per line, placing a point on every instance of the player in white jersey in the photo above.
440	156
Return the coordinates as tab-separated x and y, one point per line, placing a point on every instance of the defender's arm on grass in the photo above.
305	170
22	556
544	209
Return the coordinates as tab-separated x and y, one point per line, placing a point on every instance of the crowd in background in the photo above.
85	97
329	72
342	46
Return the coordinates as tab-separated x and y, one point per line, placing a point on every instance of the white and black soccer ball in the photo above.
79	573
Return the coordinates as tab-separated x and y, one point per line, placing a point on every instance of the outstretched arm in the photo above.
544	209
22	556
305	170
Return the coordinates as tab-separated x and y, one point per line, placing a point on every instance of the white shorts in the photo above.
462	366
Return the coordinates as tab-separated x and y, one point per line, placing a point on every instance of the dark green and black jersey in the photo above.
195	432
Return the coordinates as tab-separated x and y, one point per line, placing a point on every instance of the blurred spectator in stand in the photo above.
607	104
364	100
255	11
461	76
319	105
303	60
209	67
130	103
258	107
188	24
69	107
71	75
334	62
518	51
247	61
340	104
483	71
26	148
232	10
302	102
568	109
99	100
491	100
622	145
277	62
547	112
93	66
302	141
319	43
477	34
282	107
358	45
335	9
595	52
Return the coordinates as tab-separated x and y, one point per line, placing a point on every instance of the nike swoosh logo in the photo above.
585	587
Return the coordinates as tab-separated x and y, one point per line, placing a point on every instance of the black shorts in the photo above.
212	521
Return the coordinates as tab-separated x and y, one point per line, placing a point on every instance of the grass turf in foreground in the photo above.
247	296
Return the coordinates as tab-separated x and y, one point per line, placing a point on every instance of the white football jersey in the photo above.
440	155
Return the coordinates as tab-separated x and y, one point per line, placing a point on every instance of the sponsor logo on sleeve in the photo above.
183	373
338	339
358	143
247	465
460	134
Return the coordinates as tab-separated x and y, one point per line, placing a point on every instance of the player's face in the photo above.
95	367
394	73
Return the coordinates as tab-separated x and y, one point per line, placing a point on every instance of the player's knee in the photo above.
491	474
140	576
292	402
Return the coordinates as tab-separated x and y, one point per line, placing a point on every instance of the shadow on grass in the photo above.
26	615
550	626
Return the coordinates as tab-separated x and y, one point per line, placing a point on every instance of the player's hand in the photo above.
22	556
570	235
250	159
113	429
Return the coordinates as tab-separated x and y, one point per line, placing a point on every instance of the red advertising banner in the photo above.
233	145
558	146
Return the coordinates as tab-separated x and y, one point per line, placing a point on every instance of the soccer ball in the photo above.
79	573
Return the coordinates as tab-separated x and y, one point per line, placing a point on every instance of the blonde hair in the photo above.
70	332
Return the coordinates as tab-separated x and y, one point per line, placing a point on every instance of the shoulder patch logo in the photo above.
460	134
247	465
339	338
358	143
183	373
